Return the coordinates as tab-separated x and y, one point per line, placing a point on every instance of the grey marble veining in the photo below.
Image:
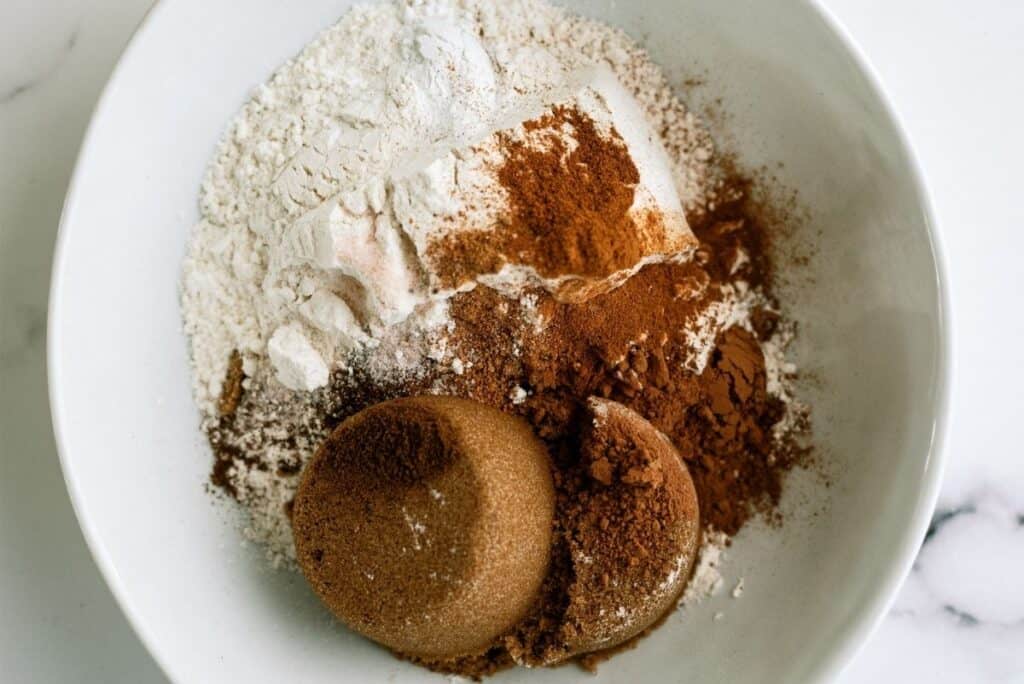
943	516
23	333
13	92
986	530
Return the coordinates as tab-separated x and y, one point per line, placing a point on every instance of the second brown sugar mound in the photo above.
627	533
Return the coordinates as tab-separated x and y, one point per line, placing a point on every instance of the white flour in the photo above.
388	79
707	576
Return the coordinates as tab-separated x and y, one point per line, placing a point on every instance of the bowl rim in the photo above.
849	641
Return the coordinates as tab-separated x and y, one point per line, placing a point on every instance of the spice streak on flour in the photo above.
301	177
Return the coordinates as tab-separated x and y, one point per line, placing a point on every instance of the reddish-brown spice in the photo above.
569	209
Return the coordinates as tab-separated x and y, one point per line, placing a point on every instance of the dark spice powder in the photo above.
631	345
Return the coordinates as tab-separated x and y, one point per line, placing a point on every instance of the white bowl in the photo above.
874	332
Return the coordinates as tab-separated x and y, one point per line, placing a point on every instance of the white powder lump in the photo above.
363	234
707	576
299	366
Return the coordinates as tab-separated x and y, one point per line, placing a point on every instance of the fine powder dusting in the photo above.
273	304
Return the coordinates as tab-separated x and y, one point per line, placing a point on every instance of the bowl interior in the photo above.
871	335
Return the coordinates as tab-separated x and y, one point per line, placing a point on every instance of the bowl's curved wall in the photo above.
871	334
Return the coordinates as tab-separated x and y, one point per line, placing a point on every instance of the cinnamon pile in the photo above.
570	203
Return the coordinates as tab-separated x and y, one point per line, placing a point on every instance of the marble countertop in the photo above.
954	71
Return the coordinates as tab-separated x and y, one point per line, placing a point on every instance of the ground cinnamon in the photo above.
569	206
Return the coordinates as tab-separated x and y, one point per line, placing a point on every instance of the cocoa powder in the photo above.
631	345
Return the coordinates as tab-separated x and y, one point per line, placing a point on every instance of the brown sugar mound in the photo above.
425	524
